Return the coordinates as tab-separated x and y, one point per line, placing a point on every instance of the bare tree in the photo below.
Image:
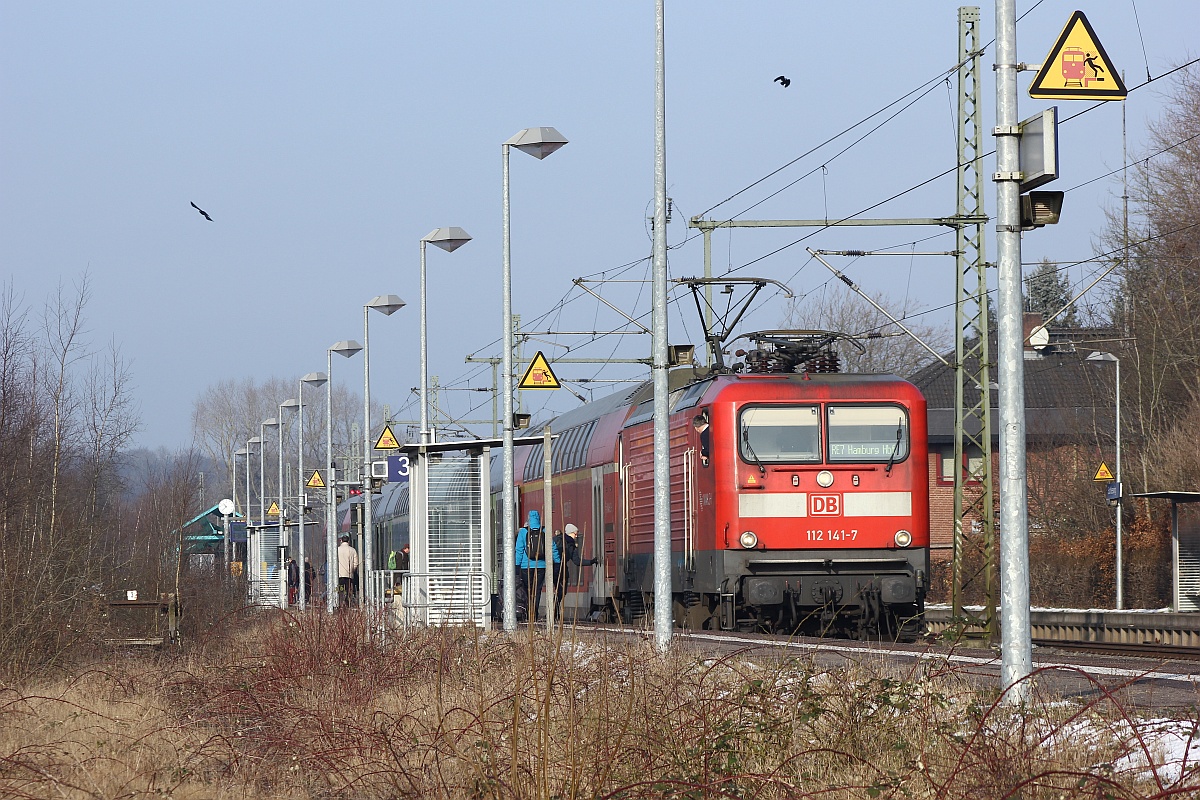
63	418
230	412
837	308
111	419
62	326
1157	304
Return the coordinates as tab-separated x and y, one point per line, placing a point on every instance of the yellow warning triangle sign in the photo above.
539	375
1077	67
387	440
315	481
273	511
1103	474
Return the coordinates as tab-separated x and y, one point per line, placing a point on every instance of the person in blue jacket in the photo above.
531	566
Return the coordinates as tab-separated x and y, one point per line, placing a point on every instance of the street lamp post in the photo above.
245	453
262	469
250	443
386	304
539	143
262	495
290	404
346	349
1099	356
449	239
312	379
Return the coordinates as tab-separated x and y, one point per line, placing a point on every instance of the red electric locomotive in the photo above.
799	498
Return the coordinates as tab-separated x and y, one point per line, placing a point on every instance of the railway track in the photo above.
1150	650
1130	632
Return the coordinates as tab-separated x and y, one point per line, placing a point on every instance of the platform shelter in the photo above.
1185	550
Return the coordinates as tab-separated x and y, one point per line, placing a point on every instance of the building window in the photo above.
974	459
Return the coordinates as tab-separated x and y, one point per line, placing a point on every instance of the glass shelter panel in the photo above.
780	433
867	433
455	539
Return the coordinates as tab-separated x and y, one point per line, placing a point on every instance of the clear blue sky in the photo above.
326	139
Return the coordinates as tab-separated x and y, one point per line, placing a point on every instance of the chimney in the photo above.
1029	321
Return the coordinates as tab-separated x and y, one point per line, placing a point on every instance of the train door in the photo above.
600	588
621	558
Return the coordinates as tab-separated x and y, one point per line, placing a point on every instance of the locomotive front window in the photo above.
780	434
867	433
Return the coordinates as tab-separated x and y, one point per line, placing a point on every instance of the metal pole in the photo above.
662	453
283	543
708	354
1120	493
262	474
425	439
1016	644
547	531
246	516
330	495
260	579
509	570
300	492
974	564
368	551
255	558
246	512
225	542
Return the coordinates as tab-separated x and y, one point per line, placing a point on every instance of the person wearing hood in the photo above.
531	567
567	544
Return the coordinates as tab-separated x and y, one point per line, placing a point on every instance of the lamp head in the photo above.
315	379
346	348
270	423
292	403
538	142
387	304
449	239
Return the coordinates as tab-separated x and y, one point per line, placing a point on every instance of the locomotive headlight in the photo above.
748	540
903	538
824	479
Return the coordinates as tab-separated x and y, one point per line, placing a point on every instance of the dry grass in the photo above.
309	707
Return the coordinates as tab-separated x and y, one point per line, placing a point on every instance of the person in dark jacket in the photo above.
293	580
310	579
567	544
531	567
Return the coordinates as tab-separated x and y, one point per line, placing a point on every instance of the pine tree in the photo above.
1046	291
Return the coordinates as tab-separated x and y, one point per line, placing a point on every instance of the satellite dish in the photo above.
225	507
1039	337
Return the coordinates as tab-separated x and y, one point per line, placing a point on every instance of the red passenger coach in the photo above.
799	497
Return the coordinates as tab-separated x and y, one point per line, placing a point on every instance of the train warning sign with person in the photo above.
1077	67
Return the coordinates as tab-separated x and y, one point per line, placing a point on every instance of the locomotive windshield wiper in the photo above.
746	438
892	458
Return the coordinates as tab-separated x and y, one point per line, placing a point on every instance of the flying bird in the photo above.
203	213
783	81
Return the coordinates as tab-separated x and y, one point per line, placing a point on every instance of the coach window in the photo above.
780	433
867	433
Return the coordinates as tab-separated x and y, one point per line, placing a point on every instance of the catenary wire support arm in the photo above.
817	255
905	253
582	284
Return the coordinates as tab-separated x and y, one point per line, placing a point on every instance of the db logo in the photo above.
825	505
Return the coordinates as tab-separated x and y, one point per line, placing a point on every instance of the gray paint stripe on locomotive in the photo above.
854	504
